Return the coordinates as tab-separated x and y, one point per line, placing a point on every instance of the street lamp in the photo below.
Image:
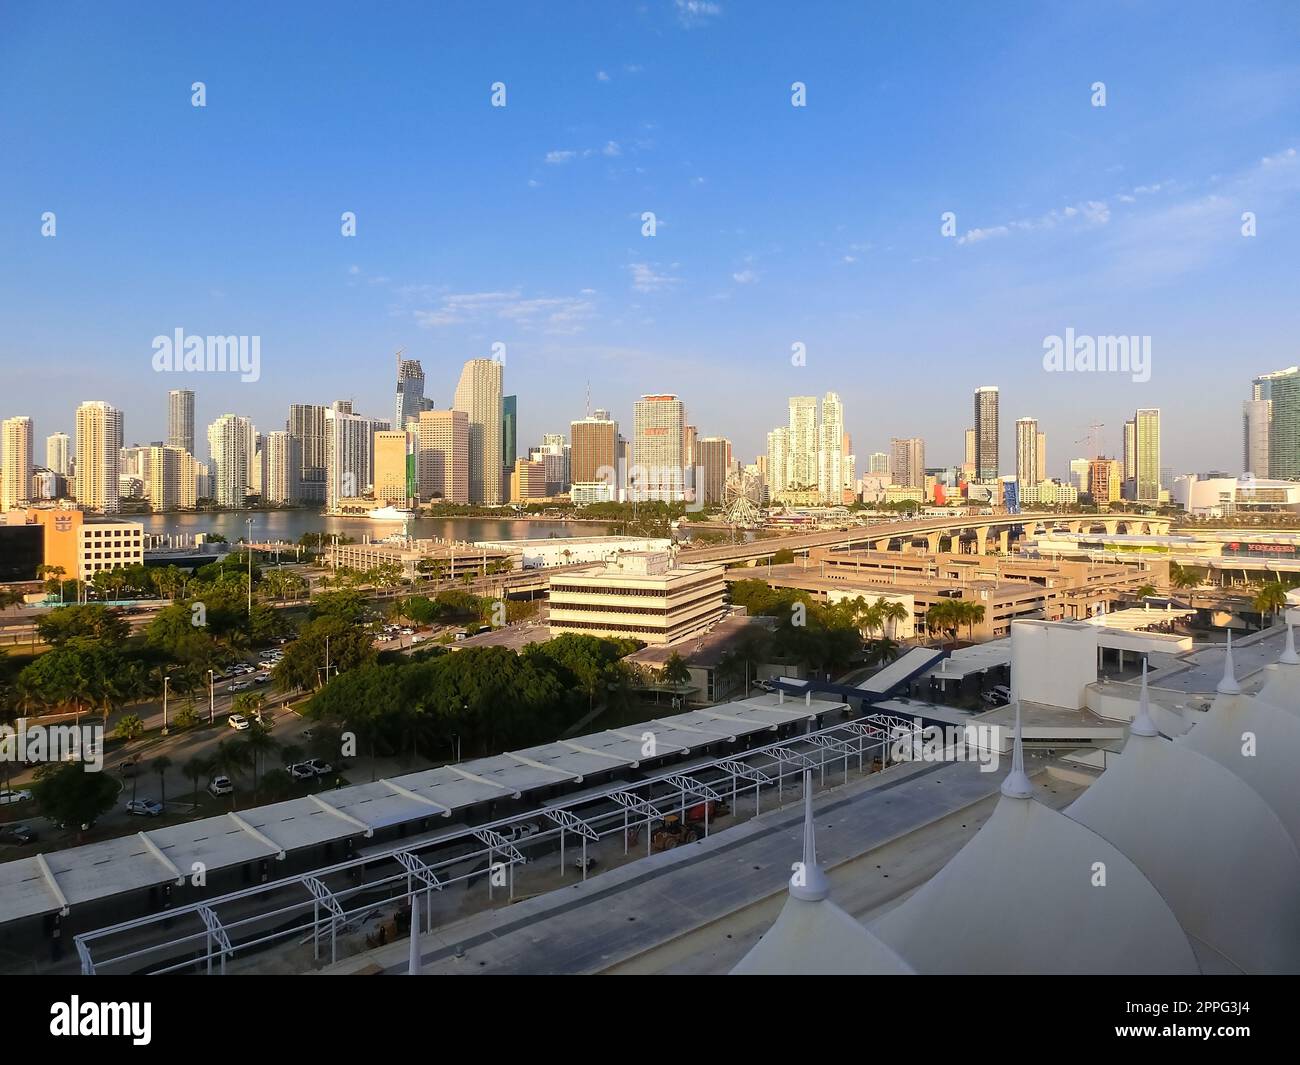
166	681
248	543
212	699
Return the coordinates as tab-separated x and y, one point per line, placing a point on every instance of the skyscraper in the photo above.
878	463
99	456
180	419
1281	391
830	450
801	469
478	394
594	451
1254	438
969	460
907	460
1147	473
57	453
15	462
658	433
778	462
395	472
442	456
410	392
349	455
714	459
509	431
307	426
233	445
1128	460
986	433
283	468
170	478
1027	458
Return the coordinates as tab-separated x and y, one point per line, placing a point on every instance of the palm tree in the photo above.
1184	579
675	671
943	617
195	768
160	766
1270	599
257	742
971	613
892	614
1145	592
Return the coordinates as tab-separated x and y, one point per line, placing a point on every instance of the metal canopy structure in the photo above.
439	860
54	883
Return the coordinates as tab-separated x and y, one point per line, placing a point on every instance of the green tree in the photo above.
676	672
68	795
92	620
1270	598
195	768
129	727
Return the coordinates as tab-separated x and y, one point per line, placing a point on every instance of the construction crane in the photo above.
1093	439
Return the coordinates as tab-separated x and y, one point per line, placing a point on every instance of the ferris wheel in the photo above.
741	497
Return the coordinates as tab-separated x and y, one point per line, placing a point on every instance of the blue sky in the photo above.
777	224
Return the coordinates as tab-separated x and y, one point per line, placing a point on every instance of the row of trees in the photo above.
490	698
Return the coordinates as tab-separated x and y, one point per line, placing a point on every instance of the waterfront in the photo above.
289	525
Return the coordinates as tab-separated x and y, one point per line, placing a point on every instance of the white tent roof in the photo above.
812	936
1282	688
1220	857
1020	898
1258	742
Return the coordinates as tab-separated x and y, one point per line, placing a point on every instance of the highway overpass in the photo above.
880	536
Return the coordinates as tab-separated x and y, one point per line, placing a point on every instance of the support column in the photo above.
981	539
1004	541
932	542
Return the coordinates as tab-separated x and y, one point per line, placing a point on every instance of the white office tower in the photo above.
283	468
99	456
878	463
58	452
349	454
479	395
778	462
801	473
232	445
658	427
180	419
15	462
830	450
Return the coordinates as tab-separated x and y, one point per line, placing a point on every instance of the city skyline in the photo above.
1141	200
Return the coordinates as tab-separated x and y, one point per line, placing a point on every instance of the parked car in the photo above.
417	638
19	835
261	678
238	722
241	686
519	831
320	768
997	695
8	797
144	807
301	771
242	667
583	864
219	786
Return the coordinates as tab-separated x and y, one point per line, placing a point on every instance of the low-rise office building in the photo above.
641	596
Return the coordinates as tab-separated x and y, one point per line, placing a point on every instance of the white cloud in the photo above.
601	76
611	148
745	277
696	12
557	157
547	314
647	278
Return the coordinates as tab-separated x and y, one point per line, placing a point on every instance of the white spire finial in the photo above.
1016	785
1142	723
413	965
1228	685
1289	657
808	882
